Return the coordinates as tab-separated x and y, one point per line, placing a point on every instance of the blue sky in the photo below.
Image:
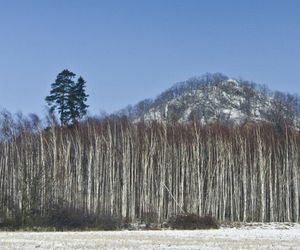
131	50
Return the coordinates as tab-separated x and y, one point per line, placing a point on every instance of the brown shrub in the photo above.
192	222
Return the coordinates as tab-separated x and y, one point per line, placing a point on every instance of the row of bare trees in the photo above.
242	173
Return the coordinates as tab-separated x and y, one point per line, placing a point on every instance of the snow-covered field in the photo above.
266	236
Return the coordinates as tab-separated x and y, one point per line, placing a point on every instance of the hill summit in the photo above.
216	97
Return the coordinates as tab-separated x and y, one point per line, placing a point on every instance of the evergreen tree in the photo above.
68	97
77	100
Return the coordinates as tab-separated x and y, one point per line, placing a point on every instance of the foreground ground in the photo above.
265	236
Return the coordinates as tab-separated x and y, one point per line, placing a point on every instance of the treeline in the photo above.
130	170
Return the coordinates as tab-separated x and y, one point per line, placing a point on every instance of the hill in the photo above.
216	97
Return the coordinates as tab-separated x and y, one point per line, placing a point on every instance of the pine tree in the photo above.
68	97
77	100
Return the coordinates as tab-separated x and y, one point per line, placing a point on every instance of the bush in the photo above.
150	218
108	222
11	222
69	218
192	222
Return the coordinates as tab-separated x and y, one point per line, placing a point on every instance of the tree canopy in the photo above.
68	97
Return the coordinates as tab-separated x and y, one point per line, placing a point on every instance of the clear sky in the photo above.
131	50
